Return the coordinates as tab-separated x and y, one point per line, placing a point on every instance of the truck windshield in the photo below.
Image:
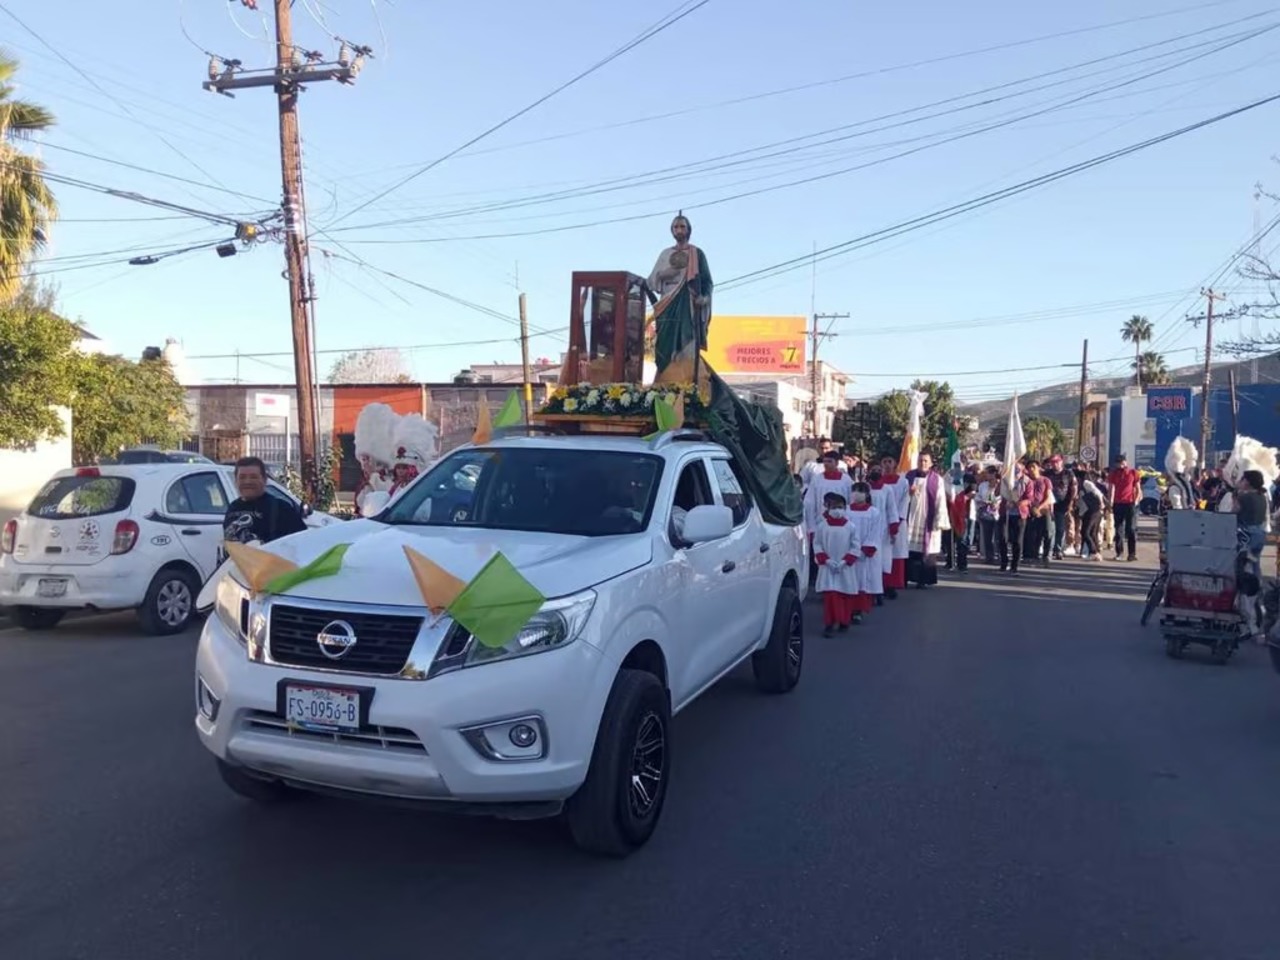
585	493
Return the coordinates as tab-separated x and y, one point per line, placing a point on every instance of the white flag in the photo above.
1015	444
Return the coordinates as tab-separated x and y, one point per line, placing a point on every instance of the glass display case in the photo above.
606	329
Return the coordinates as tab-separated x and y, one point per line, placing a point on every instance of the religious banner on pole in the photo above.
1015	444
910	455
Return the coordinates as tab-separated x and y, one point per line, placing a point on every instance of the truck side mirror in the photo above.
706	523
374	503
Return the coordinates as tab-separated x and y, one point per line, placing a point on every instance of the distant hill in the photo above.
1061	401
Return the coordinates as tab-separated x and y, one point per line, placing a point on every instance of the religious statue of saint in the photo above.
681	280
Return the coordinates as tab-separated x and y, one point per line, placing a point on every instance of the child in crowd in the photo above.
836	550
870	530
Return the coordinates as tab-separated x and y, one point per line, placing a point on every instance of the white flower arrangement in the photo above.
619	399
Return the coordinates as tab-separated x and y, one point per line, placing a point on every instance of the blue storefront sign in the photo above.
1168	407
1171	403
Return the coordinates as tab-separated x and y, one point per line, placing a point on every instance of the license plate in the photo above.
51	587
322	708
1194	584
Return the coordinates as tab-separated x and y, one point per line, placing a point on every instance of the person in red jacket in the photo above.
959	508
1125	487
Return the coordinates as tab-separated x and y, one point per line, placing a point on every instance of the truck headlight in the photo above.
239	613
556	625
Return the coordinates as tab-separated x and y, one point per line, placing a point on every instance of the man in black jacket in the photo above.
256	516
1065	492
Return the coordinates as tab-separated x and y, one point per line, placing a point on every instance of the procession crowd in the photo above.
873	530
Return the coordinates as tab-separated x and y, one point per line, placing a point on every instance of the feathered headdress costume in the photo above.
375	434
1250	454
1181	458
416	442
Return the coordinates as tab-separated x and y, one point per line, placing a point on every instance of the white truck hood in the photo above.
374	569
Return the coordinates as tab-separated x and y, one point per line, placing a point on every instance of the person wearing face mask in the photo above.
831	480
885	500
873	534
837	551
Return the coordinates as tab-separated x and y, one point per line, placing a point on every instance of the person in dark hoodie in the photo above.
256	516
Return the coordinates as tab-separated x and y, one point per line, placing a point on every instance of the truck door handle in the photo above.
764	548
190	533
729	567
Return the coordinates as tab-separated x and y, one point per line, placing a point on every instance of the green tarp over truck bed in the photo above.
753	433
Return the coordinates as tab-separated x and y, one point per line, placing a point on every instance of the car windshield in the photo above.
586	493
65	497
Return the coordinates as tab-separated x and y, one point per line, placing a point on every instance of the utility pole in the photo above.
293	68
524	358
1206	423
815	338
1235	405
1084	389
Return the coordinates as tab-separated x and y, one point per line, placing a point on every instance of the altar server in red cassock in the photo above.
885	500
873	535
832	479
837	552
899	491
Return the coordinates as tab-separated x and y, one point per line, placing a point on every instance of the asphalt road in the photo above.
992	769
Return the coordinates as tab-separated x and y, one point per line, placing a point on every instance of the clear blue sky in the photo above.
1135	235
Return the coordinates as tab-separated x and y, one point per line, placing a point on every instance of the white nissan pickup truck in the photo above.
655	574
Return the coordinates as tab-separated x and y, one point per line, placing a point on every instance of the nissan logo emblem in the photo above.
336	639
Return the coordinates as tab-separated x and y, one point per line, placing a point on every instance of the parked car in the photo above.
119	537
660	576
153	455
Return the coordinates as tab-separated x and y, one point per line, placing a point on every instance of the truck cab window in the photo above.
732	493
692	490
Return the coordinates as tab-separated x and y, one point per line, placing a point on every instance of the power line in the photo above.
995	196
150	258
470	305
407	348
880	71
978	373
798	144
52	177
155	173
102	90
668	21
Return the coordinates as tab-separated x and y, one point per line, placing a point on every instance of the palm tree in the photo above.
27	206
1151	368
1044	437
1137	330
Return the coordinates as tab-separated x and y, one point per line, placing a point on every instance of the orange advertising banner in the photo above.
766	345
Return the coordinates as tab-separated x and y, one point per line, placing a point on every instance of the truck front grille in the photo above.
382	647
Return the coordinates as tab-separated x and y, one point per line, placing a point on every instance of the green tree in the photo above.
939	414
37	354
119	403
27	205
1137	330
1151	368
1044	437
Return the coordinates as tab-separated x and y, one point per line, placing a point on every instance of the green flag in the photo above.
511	413
325	565
953	447
497	603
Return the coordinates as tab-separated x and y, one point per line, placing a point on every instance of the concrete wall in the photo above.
24	472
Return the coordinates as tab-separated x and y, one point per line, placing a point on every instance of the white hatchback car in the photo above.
142	536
